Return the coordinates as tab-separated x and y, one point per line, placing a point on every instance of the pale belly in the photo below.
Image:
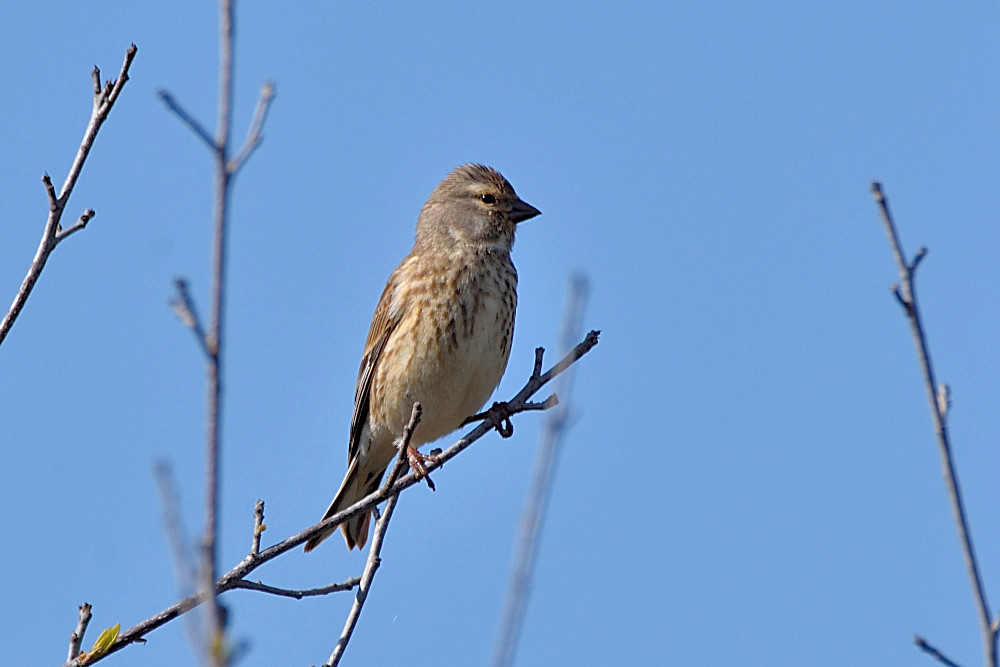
451	373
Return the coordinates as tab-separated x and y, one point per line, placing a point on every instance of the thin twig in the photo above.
254	136
258	526
77	226
53	234
185	571
76	638
184	308
933	652
297	594
174	526
231	579
539	353
907	295
175	107
374	559
553	432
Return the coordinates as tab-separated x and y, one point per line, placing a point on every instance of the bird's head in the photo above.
473	205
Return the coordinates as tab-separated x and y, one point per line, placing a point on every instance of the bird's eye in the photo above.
488	198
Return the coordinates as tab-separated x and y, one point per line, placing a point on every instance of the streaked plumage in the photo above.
441	333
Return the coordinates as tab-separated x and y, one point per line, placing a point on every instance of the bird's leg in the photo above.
499	416
417	460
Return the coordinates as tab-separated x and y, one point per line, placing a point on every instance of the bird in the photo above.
441	333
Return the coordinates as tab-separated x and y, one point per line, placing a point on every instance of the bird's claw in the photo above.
499	416
417	460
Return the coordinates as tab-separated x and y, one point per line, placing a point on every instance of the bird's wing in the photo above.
384	323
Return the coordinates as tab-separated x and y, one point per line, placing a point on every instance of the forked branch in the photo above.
104	99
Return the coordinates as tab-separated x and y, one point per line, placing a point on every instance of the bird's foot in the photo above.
499	416
417	460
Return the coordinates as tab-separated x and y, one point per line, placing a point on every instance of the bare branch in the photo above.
212	339
232	579
553	432
907	295
374	560
76	639
933	652
53	233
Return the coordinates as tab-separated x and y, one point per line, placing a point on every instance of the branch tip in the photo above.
539	353
51	191
258	527
76	638
174	106
930	650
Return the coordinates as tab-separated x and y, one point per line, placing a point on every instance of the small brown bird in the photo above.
441	333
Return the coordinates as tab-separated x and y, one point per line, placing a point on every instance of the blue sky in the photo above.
751	478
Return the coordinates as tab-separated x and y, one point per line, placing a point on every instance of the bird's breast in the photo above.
451	347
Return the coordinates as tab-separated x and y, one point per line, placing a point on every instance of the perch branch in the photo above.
231	579
297	594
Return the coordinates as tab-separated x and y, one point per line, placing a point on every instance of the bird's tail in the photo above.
358	483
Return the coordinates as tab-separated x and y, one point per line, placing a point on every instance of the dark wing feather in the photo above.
381	329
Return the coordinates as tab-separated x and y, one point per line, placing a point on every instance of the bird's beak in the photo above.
522	211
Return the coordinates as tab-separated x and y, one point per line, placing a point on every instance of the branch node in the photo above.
401	460
943	397
894	288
